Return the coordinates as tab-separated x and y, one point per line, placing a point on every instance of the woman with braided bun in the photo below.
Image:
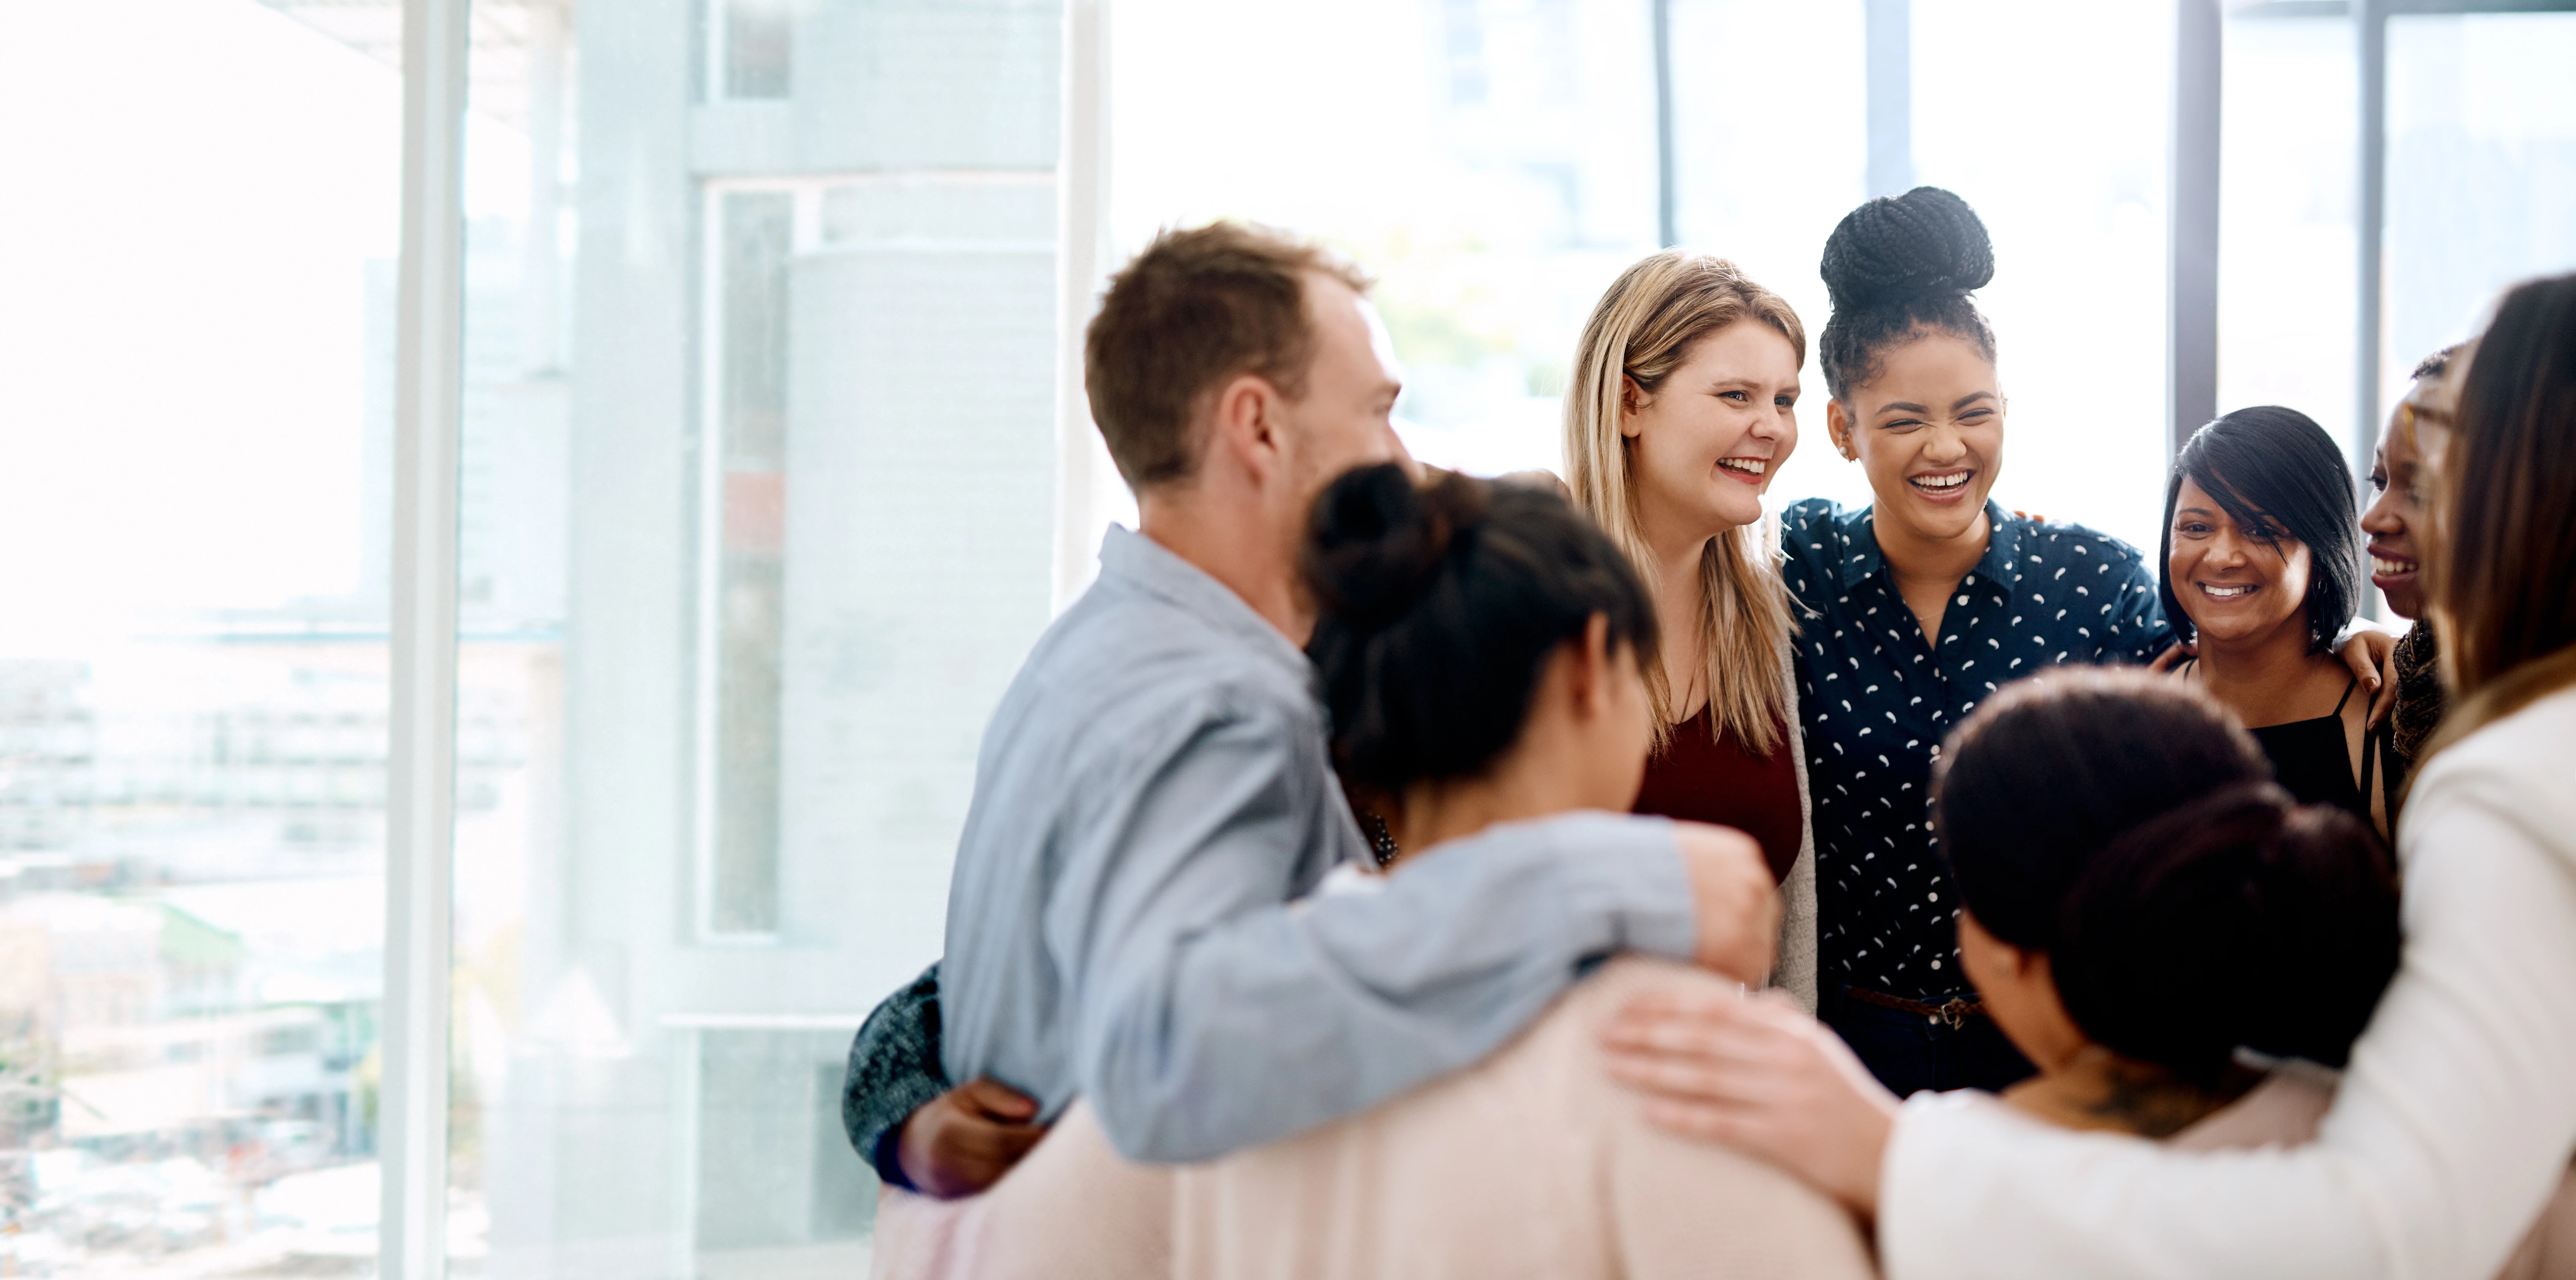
1910	612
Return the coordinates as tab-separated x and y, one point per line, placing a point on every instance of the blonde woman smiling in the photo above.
1681	408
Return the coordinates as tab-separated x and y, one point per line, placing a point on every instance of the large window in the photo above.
1495	165
197	250
2481	168
791	539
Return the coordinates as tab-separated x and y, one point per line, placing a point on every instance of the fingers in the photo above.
2168	660
1743	1056
1737	906
964	1140
990	1152
1693	1120
1757	1074
1682	1033
989	1097
1688	1021
1666	1001
1016	1139
2385	700
2365	652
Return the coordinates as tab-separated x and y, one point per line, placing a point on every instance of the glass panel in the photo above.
765	1098
755	231
1762	192
1493	164
758	43
2053	121
195	483
2285	234
2481	170
787	536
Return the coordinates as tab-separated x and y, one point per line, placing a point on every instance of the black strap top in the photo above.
2312	760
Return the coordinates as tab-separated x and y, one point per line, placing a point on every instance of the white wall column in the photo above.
1082	258
420	820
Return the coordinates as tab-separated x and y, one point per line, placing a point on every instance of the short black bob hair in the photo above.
2274	468
1439	604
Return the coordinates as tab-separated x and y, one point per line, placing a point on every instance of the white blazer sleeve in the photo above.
2455	1120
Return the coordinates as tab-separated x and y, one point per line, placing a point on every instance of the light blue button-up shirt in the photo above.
1151	795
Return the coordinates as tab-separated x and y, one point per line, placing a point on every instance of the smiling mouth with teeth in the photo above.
1940	484
2391	568
1745	466
2225	593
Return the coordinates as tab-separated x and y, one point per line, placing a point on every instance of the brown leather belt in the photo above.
1955	1012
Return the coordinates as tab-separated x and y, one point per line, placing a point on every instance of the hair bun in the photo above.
1927	241
1378	538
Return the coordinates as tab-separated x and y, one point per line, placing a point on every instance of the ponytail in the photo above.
1438	606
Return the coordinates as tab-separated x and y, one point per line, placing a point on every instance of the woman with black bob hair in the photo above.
2262	569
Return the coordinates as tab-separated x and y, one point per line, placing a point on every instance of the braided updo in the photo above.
1896	267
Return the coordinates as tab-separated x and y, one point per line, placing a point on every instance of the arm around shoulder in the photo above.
2454	1122
1215	1015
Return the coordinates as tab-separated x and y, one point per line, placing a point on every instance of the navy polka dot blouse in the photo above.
1877	700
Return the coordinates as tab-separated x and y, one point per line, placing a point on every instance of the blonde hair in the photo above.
1641	331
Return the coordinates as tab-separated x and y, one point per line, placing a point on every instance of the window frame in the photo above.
707	606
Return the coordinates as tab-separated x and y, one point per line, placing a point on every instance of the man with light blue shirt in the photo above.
1153	794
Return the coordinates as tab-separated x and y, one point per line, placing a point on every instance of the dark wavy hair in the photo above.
2245	919
2123	824
1895	268
1439	605
2272	468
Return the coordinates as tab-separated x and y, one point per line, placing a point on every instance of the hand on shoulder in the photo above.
1733	899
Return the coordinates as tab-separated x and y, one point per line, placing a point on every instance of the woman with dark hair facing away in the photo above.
1480	650
1911	611
1485	652
2262	567
2454	1125
2156	908
1681	407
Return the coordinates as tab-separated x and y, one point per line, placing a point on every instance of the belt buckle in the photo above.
1956	1012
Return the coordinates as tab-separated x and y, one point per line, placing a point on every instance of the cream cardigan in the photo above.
1796	968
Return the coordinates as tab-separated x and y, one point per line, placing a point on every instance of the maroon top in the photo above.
1702	776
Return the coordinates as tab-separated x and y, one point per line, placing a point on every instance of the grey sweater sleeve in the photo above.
894	1071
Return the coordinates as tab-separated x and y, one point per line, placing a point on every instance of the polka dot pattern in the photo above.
1877	699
